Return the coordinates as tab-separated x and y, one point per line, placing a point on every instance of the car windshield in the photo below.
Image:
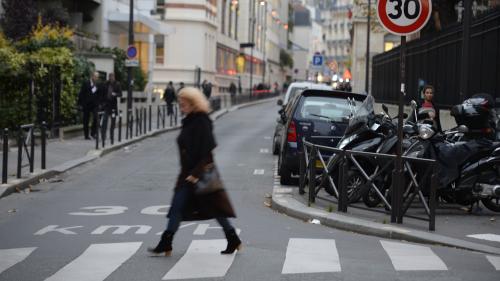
326	108
362	115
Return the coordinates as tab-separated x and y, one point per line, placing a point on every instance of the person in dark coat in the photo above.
88	102
427	110
196	143
109	104
170	98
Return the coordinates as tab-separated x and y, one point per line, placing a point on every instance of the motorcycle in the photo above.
468	171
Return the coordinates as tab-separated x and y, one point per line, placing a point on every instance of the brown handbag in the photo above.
209	181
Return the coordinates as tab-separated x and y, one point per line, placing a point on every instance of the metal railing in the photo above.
316	174
25	147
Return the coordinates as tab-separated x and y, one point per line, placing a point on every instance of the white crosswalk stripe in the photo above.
495	261
486	236
412	257
311	256
202	260
97	262
9	257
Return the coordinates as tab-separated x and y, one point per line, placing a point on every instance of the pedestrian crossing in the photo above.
202	259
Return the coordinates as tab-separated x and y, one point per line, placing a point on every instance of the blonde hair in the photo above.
196	98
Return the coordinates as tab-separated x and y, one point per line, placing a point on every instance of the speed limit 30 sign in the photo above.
403	17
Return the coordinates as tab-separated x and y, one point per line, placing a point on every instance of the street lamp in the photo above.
129	69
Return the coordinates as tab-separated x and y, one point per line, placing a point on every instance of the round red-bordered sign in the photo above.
411	25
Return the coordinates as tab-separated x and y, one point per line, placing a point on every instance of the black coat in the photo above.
196	142
87	98
109	97
169	95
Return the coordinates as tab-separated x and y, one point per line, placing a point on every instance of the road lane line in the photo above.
495	261
486	236
10	257
97	262
311	256
258	172
202	260
412	257
264	150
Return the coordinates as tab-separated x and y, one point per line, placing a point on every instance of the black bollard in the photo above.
44	145
5	154
120	126
145	113
32	149
19	152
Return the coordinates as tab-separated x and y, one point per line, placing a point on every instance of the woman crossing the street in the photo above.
196	143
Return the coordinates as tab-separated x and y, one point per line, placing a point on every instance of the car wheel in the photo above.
285	176
284	172
354	184
276	148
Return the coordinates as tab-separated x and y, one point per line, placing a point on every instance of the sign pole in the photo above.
398	183
129	69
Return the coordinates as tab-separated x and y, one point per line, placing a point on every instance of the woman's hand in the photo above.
192	179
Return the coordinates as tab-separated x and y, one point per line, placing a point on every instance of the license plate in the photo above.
319	165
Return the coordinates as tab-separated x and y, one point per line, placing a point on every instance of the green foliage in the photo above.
46	58
285	59
120	69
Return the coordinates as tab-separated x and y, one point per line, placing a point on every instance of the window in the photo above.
325	108
160	49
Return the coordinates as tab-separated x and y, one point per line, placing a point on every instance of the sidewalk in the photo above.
453	224
64	155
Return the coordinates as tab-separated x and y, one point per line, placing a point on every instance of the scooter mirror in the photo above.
280	102
385	109
413	104
405	115
462	129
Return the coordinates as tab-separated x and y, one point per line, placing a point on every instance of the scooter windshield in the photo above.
361	117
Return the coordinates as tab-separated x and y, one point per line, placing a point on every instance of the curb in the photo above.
20	184
283	201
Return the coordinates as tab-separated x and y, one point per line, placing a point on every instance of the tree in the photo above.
55	14
18	19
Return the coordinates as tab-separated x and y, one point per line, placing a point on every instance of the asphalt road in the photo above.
95	222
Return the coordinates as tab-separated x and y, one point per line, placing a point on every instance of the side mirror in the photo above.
405	115
462	129
280	102
385	109
413	104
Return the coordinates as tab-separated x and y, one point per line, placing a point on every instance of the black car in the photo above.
320	117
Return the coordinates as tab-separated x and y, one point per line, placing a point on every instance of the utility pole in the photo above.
129	69
367	64
466	22
252	27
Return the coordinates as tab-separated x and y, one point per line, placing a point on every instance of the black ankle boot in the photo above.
164	246
233	242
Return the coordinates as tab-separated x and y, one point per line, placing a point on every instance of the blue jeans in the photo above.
180	198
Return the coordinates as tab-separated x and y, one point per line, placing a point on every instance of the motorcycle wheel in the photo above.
493	204
354	184
371	198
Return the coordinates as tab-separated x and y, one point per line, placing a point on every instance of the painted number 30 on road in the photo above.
403	17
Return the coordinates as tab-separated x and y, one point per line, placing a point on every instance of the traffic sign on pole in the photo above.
403	17
317	62
131	60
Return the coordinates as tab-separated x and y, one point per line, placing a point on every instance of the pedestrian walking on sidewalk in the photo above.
109	104
207	88
170	98
88	102
196	143
232	91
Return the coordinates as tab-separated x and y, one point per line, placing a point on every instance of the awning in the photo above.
157	27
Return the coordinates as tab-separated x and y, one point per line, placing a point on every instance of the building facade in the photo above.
206	44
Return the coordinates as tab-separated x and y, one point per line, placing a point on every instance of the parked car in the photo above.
320	117
293	90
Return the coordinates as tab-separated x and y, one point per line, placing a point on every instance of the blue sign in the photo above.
317	60
131	52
